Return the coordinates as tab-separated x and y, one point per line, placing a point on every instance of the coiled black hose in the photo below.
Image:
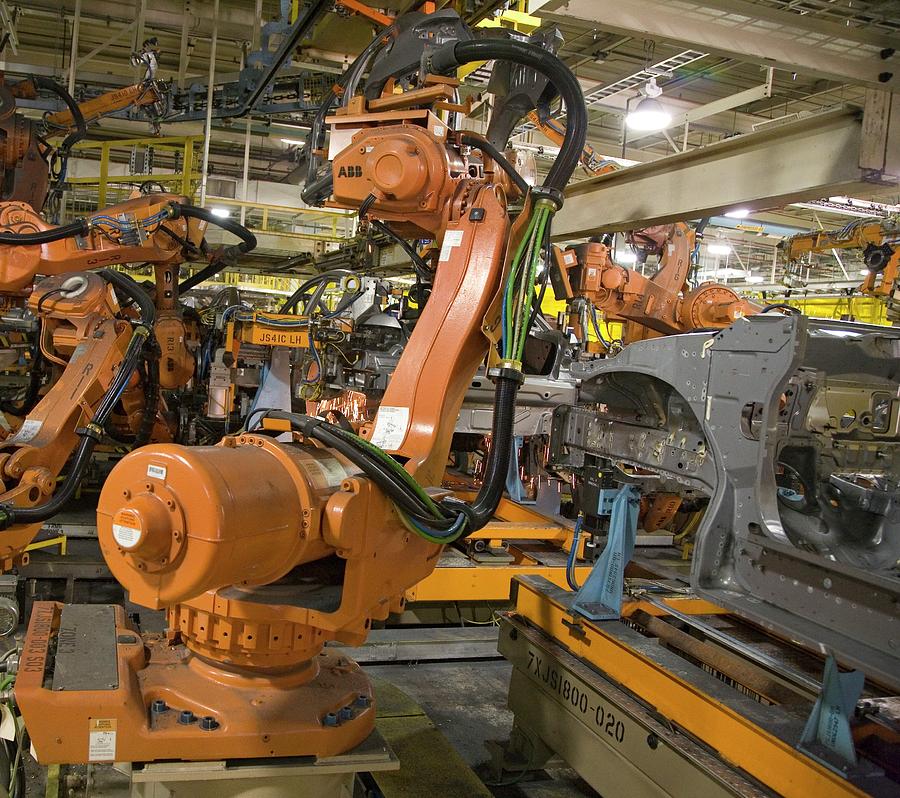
310	284
80	130
151	391
91	432
421	268
455	55
228	256
318	187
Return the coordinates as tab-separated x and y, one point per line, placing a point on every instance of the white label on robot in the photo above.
102	740
439	131
8	724
29	430
332	470
452	238
126	536
157	472
390	427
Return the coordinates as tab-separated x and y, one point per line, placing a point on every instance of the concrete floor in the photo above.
466	700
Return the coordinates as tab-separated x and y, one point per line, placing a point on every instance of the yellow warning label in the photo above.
102	739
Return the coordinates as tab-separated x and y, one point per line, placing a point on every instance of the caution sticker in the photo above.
126	529
102	740
27	432
390	427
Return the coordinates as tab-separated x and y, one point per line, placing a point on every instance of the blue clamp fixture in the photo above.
827	737
600	597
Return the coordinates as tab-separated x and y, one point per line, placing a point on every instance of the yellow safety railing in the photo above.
316	224
185	180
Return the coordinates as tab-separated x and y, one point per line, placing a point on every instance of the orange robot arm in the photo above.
663	304
215	534
138	95
84	330
137	230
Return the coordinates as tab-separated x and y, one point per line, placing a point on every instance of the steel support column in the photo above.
73	53
838	152
210	89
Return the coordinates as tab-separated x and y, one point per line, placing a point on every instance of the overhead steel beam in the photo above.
657	19
117	34
838	152
835	31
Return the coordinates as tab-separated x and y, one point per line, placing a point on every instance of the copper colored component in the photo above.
661	511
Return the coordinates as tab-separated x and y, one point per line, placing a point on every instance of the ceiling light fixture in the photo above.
222	213
738	213
649	114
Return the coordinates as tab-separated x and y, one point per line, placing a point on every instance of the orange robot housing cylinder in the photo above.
175	522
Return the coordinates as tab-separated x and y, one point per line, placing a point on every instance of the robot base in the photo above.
92	690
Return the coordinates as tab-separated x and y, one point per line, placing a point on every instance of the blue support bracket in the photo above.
827	736
514	486
600	597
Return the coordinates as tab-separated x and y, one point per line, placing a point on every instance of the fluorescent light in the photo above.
222	213
754	279
649	115
626	256
738	213
718	249
293	142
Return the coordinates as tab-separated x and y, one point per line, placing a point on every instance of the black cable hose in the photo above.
129	286
497	157
782	306
89	438
80	131
292	301
204	274
482	510
315	187
77	228
454	55
248	242
151	391
419	265
388	482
